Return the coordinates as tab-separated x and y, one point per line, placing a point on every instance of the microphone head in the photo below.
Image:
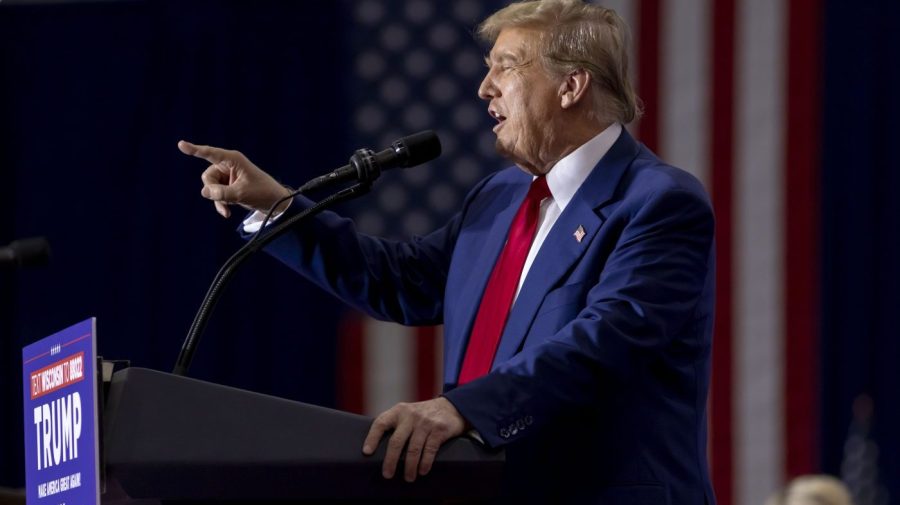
29	252
417	148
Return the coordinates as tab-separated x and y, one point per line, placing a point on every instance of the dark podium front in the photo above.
177	439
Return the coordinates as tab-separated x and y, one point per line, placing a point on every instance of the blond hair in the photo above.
813	490
575	36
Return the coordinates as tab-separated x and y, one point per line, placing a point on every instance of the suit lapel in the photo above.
483	250
561	250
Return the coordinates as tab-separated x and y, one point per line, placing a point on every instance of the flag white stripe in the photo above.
685	85
627	10
759	217
389	359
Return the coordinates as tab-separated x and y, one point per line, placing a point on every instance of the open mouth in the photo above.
499	117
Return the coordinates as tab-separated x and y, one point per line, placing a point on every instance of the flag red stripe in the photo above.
648	50
721	166
802	224
426	387
351	368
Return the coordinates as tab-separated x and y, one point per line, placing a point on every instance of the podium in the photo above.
169	438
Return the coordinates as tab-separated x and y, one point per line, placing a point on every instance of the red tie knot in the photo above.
539	189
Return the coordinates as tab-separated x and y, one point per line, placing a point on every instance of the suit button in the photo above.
504	433
529	420
520	424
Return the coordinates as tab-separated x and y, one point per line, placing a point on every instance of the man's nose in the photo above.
487	90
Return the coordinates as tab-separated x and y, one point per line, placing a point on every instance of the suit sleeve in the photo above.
646	298
400	281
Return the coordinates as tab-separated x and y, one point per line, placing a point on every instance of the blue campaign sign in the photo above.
61	420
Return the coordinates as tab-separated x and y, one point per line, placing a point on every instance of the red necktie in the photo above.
498	295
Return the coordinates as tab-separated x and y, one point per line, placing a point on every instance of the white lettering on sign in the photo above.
76	368
58	428
57	376
59	485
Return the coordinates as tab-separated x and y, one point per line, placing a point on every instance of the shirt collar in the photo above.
569	173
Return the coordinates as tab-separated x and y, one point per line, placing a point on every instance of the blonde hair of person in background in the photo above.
576	35
813	490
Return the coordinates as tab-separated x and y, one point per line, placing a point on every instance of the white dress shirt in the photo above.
564	179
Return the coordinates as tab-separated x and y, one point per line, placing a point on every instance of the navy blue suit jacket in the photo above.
598	389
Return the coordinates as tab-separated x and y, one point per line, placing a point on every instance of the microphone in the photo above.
26	252
365	165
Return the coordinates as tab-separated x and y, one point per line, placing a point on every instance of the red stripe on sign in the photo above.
722	143
648	71
426	345
801	286
351	365
70	342
41	355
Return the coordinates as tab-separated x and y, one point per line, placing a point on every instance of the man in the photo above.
812	489
576	289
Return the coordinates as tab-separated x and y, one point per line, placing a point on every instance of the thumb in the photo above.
223	209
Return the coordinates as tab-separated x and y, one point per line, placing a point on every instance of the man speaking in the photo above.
575	288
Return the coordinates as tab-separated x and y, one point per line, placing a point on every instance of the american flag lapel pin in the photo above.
579	234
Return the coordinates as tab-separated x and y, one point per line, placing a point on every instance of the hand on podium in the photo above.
421	427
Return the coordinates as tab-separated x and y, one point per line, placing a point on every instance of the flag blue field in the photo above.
417	65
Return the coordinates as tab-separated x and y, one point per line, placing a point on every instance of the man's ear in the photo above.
574	88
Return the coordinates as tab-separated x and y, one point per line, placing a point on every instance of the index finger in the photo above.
376	431
208	153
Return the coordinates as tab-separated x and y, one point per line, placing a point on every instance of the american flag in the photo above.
417	65
728	86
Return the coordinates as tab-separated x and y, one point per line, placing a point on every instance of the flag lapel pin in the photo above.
579	234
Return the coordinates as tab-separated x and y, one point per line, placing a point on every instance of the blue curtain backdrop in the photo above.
94	96
93	99
861	230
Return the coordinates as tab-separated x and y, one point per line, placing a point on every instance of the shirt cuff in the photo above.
474	434
253	222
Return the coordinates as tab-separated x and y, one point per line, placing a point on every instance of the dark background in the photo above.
860	337
94	97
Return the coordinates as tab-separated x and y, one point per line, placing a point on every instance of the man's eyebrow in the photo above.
504	57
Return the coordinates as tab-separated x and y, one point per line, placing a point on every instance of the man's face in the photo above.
524	100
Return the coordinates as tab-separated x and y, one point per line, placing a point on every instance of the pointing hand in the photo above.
233	179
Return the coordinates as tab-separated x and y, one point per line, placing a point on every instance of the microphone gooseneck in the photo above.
186	356
365	166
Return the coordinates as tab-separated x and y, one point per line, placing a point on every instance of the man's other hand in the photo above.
421	428
233	179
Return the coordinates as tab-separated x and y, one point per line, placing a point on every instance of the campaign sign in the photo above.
61	433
